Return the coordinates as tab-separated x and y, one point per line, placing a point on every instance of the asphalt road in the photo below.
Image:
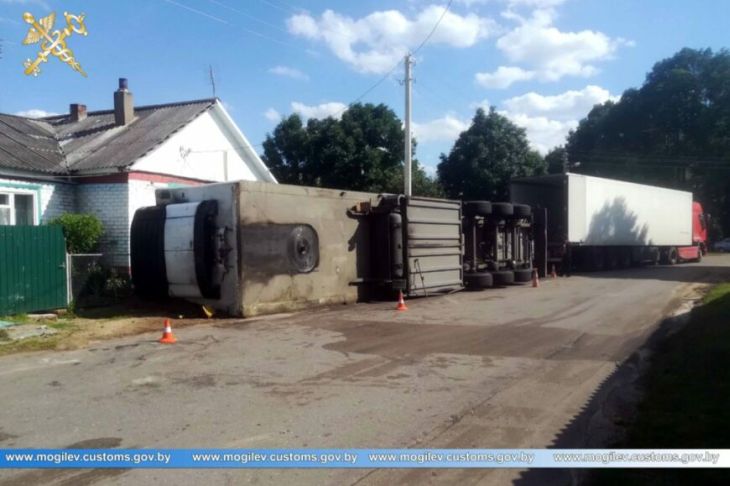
513	367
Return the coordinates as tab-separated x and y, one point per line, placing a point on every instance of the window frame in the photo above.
11	193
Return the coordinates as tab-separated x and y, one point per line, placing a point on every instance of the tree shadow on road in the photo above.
609	419
710	270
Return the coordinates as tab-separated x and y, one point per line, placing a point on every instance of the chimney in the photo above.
78	112
123	104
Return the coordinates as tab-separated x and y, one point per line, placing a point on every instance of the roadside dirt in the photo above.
104	323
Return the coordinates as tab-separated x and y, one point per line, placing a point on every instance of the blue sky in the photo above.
543	63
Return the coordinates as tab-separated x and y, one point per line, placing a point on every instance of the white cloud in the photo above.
272	115
35	113
538	50
543	133
548	119
552	53
503	77
323	110
289	72
571	105
484	105
376	42
444	129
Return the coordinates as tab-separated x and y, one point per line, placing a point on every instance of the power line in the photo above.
392	70
225	22
288	9
246	14
436	26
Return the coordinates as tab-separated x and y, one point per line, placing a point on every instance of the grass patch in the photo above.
63	325
687	397
39	343
16	318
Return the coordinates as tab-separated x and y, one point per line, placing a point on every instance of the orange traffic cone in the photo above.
401	303
167	336
535	279
553	274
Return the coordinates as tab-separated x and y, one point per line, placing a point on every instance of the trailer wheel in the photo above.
699	255
477	208
521	210
625	258
503	277
478	280
502	209
523	275
672	256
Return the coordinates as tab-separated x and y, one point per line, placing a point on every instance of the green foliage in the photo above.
685	397
104	283
82	231
674	131
557	160
485	157
363	151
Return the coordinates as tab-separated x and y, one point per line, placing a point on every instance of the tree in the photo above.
556	161
674	131
485	157
361	151
82	231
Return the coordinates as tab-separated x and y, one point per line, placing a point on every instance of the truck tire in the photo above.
502	209
699	255
147	255
503	277
523	275
477	208
672	258
478	280
624	258
669	256
521	210
597	260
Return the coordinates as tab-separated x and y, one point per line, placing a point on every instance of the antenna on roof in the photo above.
212	79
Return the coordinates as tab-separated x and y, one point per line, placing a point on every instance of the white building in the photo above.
109	163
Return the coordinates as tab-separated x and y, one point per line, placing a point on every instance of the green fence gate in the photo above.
32	269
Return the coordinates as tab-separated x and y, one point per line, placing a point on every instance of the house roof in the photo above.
57	146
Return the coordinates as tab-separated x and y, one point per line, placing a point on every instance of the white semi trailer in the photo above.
597	223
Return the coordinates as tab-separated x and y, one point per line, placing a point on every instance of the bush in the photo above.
82	231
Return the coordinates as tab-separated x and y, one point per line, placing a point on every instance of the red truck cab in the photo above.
699	236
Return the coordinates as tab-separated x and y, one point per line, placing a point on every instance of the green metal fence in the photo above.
32	269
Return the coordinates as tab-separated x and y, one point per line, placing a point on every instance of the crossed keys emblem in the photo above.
52	43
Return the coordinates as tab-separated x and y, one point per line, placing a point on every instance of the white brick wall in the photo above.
109	202
115	205
51	199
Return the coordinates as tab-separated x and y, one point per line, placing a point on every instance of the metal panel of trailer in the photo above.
594	211
433	245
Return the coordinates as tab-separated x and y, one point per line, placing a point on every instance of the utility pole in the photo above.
407	165
212	78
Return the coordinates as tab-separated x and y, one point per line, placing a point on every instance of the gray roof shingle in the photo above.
56	145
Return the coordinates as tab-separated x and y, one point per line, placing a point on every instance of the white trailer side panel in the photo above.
609	212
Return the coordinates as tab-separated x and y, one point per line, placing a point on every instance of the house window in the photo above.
17	209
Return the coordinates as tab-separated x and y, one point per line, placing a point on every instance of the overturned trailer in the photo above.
249	248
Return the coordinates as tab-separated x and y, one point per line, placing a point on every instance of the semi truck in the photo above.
248	248
583	222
